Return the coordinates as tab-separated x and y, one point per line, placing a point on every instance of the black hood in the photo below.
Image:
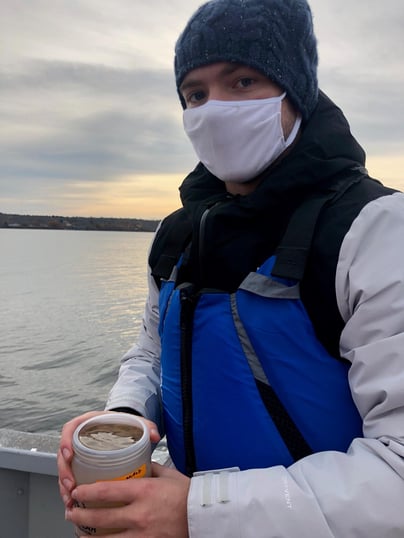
240	232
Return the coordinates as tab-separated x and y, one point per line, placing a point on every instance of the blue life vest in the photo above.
216	346
245	380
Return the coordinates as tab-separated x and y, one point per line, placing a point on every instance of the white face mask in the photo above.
237	140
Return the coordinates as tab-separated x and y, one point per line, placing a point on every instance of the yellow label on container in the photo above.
140	472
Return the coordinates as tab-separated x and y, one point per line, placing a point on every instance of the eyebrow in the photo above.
227	70
192	83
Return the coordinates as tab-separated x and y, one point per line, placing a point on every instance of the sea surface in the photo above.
71	305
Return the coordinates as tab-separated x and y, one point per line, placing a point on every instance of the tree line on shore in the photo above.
53	222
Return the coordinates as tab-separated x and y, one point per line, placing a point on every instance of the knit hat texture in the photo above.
273	36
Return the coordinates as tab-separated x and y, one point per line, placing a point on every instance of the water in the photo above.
71	304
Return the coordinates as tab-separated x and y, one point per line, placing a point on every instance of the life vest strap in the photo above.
294	248
290	433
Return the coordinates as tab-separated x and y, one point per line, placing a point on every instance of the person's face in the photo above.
225	81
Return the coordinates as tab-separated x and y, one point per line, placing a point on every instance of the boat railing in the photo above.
30	505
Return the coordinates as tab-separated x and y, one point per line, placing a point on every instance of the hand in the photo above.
149	507
65	453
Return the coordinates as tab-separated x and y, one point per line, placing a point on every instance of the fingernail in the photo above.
68	484
68	514
66	453
66	499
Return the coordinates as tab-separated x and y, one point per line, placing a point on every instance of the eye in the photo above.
245	82
195	98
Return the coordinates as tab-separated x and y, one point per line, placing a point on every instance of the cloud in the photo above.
87	92
90	122
376	114
361	48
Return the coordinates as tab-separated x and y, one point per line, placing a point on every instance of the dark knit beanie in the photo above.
273	36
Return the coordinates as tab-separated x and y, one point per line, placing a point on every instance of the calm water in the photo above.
71	304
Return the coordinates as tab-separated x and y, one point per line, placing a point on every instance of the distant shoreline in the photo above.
56	222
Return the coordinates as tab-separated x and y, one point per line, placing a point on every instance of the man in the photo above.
275	318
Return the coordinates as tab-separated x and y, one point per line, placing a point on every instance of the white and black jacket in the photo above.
354	292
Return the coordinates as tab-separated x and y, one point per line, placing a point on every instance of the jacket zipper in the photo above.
202	232
189	299
188	305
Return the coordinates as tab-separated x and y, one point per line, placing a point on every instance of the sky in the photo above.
90	122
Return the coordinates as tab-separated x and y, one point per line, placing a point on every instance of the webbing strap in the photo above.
290	433
292	253
294	248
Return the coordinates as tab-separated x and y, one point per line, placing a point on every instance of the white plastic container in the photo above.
113	446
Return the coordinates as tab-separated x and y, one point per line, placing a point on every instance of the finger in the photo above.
99	518
116	534
66	479
66	486
92	518
119	492
121	533
65	455
153	430
63	464
68	430
65	496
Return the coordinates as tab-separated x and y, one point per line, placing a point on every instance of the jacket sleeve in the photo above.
334	494
138	383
